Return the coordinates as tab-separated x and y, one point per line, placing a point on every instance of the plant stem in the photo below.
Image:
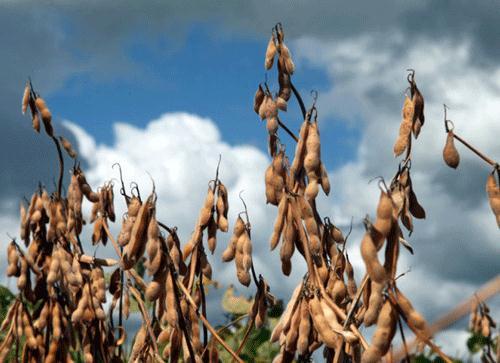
61	166
476	151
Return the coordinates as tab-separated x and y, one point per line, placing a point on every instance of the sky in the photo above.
165	87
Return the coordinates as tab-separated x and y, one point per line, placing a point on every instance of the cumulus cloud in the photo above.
180	151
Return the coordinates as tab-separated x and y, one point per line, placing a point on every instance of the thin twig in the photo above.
61	166
356	300
299	99
476	151
248	228
403	339
227	326
288	131
207	324
182	322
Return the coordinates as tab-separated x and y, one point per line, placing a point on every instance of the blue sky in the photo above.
210	75
165	87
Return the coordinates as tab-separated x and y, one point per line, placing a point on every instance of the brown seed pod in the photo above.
288	245
26	98
324	180
138	237
493	191
85	187
222	207
320	323
155	286
382	338
312	159
285	317
171	310
304	329
413	317
278	224
35	119
13	260
450	153
351	283
293	332
46	116
418	116
68	147
272	125
212	235
369	254
375	303
300	150
258	99
287	58
270	53
405	127
56	321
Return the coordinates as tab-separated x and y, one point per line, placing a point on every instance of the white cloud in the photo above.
181	152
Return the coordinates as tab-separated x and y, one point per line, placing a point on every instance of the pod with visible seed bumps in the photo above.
68	147
405	128
382	338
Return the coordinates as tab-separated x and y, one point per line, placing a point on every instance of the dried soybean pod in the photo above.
154	287
304	328
205	266
239	228
293	332
135	247
258	99
493	191
384	221
415	208
212	234
351	283
46	116
382	338
375	302
298	161
206	211
288	246
171	311
26	98
35	119
286	314
324	180
285	53
68	147
450	153
411	314
312	159
405	127
222	207
418	117
85	187
369	253
270	53
270	192
12	259
56	321
320	323
278	224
